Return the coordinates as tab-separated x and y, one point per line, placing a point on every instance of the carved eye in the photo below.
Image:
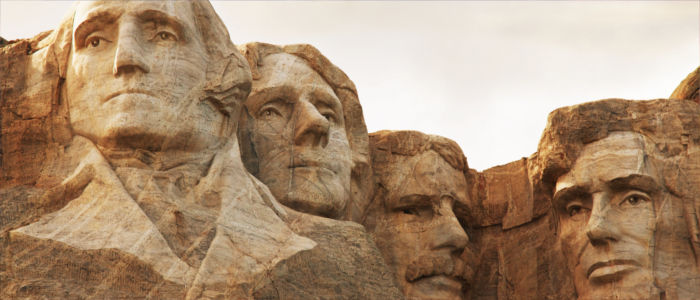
329	116
634	200
574	210
269	111
167	36
94	41
420	212
411	211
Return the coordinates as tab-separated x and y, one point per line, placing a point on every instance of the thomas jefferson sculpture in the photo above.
302	132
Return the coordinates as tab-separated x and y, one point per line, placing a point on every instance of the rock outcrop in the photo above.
689	88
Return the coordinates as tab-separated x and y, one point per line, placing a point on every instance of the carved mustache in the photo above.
426	266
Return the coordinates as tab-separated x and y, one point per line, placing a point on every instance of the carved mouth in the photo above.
440	282
310	165
128	91
611	269
446	268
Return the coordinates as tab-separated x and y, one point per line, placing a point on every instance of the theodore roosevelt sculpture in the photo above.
420	179
148	197
302	132
623	179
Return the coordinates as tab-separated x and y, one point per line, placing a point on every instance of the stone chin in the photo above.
435	287
327	197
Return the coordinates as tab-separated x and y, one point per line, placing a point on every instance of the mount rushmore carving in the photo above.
144	155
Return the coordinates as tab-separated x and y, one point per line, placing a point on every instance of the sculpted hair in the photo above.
412	143
671	132
344	88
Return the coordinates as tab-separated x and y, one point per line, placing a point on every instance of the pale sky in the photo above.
484	74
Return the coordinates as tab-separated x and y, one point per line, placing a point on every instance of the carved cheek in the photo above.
572	238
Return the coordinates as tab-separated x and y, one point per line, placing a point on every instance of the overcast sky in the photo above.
484	74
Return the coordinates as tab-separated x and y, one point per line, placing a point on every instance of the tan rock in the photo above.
346	264
419	181
514	235
689	88
302	132
122	176
623	180
110	160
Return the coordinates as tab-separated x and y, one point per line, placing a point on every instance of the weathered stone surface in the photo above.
124	173
515	238
302	132
520	263
345	265
689	88
122	176
623	180
503	195
419	180
98	183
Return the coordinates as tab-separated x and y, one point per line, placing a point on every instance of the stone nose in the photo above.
129	55
600	227
311	127
448	233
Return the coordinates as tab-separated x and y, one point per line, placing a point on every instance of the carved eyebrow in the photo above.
568	193
640	182
412	200
94	18
269	93
323	98
162	18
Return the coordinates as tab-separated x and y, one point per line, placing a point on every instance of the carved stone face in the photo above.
418	232
135	76
607	220
298	133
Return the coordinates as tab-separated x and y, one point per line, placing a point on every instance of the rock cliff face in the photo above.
122	175
142	154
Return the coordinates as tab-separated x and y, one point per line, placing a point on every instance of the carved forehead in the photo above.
619	155
426	173
284	68
179	11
